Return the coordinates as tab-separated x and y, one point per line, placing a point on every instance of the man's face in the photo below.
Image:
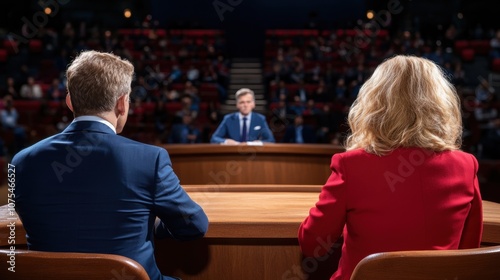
245	104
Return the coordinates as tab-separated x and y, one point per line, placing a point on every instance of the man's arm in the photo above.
181	217
267	134
220	134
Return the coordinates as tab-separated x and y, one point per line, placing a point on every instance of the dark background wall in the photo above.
245	20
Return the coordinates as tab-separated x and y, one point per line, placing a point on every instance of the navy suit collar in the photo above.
88	126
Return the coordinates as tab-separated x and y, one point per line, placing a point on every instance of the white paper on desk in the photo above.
255	143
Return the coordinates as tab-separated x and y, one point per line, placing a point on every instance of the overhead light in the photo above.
370	14
127	13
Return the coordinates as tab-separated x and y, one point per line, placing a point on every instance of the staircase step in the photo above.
246	71
232	102
246	76
245	59
236	86
246	65
256	80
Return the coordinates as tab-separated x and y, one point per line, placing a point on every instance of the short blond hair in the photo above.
95	81
407	102
244	91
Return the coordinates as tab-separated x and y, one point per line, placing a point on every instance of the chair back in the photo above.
481	263
27	264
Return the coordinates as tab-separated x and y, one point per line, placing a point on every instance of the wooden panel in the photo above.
242	259
252	235
268	164
491	222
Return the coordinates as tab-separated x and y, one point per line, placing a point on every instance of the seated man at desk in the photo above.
88	189
243	126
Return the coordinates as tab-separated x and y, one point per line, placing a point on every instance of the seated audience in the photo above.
31	90
9	118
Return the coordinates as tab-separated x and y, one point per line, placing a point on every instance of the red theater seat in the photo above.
10	46
467	55
495	65
3	55
35	46
461	45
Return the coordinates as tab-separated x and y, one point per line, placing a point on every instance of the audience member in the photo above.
31	90
490	143
10	89
56	91
185	132
298	132
9	118
244	125
94	190
418	191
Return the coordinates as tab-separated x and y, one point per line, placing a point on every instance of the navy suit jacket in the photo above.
230	128
178	131
89	190
308	134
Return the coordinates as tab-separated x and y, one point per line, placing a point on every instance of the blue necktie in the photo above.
244	130
298	135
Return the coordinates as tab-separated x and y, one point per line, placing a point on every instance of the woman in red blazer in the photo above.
403	183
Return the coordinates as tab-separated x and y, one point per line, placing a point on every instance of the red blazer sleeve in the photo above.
473	227
319	231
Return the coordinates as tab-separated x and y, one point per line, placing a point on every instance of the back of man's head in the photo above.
96	80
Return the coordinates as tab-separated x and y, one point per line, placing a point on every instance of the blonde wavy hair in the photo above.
407	102
96	80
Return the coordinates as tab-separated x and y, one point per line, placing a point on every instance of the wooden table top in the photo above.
244	211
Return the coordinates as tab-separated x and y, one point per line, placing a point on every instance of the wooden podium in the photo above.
213	164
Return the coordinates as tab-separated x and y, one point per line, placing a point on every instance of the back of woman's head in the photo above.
407	102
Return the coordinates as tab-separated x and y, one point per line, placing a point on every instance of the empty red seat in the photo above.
480	47
495	65
10	45
3	55
467	55
461	45
35	46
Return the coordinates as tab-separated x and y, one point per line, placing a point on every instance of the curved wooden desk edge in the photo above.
269	148
288	229
252	188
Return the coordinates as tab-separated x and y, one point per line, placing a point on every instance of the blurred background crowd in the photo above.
310	63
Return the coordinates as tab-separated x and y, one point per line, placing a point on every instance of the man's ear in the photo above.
68	102
120	108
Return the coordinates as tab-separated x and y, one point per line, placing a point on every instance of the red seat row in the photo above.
174	32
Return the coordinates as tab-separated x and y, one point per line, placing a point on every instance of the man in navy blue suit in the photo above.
87	189
244	125
298	132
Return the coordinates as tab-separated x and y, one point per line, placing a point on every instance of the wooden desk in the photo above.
252	234
214	164
491	222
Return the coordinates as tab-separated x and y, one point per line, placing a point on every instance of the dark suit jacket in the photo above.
230	128
178	134
308	134
90	190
